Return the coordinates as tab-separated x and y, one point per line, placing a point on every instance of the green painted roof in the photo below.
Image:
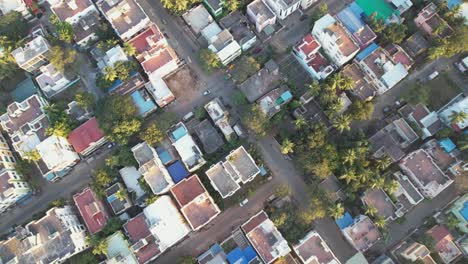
382	8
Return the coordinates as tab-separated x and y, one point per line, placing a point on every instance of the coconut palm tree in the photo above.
287	147
349	176
110	74
129	49
349	156
380	222
391	186
341	82
314	88
300	123
336	211
383	163
341	123
121	195
458	117
371	210
377	183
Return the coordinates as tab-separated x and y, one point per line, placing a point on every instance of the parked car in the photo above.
188	116
433	75
244	202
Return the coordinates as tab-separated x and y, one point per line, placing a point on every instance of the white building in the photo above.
71	11
12	189
283	8
460	104
7	6
158	88
225	47
111	57
307	3
7	160
312	249
308	55
51	81
335	39
32	55
261	15
191	155
58	154
219	116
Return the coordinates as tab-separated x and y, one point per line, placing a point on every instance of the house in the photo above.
399	55
32	55
428	122
378	199
161	63
442	158
195	202
270	104
85	29
117	198
363	88
283	8
215	7
334	191
110	57
156	229
191	155
224	46
335	39
380	68
7	160
159	90
460	210
262	82
51	81
262	16
392	140
416	44
431	23
7	6
361	233
72	11
134	83
265	238
383	259
457	105
208	136
131	177
13	189
417	252
407	195
126	17
118	250
310	111
382	8
53	238
238	167
152	169
143	102
219	115
307	3
87	138
91	210
352	17
198	18
78	113
401	5
238	26
308	55
424	173
444	243
312	249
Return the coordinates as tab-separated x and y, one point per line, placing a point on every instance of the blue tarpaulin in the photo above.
367	51
177	171
351	17
447	144
345	221
179	133
238	256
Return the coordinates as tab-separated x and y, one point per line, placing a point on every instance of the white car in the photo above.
433	75
244	202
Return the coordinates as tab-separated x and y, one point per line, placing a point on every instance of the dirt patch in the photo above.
184	85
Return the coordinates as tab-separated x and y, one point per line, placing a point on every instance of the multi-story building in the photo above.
12	189
308	55
261	15
283	8
32	55
7	160
191	155
335	39
51	81
71	11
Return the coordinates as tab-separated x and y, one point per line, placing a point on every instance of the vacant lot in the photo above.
184	85
442	90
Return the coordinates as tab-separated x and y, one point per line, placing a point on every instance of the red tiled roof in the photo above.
439	232
419	113
92	210
137	228
140	42
308	45
83	136
318	62
254	222
157	61
187	190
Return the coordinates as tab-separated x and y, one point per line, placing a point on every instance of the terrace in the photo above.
118	250
143	243
443	159
378	199
71	10
222	180
352	18
191	155
362	233
209	137
460	210
92	210
406	194
198	18
271	102
345	43
117	198
131	176
243	164
261	82
444	243
363	88
314	250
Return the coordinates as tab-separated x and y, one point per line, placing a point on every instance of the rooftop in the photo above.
86	26
118	250
37	46
85	135
91	209
406	194
265	238
416	44
238	25
381	7
242	164
222	180
215	109
131	176
196	203
261	10
314	250
135	82
362	233
148	40
271	102
198	18
363	89
158	60
189	152
209	136
117	198
69	8
142	242
445	245
443	159
352	18
262	82
332	27
51	81
378	199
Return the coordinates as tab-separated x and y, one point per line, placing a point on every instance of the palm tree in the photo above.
129	49
33	155
380	222
377	183
337	81
349	156
392	186
336	211
314	88
110	74
383	163
121	195
341	123
287	147
300	123
349	176
371	210
458	117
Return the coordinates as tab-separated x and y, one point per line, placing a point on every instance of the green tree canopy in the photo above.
361	110
209	60
85	100
256	120
64	30
178	6
13	26
377	24
450	46
62	59
152	134
395	33
60	123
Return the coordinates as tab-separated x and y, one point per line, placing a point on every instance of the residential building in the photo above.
378	199
392	140
383	259
416	44
380	68
51	81
143	102
91	210
159	90
460	210
311	111
265	238
198	18
7	160
72	11
270	104
195	202
215	7
308	55
78	113
209	137
87	138
283	8
361	233
191	155
333	188
444	243
85	29
126	17
428	122
262	16
238	26
32	55
110	57
444	158
401	5
219	115
7	6
117	198
156	229
382	9
457	105
431	23
335	40
131	176
312	249
243	165
352	17
407	195
162	62
307	3
357	258
363	88
425	174
265	80
399	55
54	238
222	180
118	250
134	83
416	251
13	189
222	43
152	169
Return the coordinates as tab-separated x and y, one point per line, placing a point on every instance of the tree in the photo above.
349	176
129	49
454	44
152	134
13	26
209	60
85	100
380	222
98	244
417	94
60	123
338	81
314	88
186	260
319	12
383	163
123	130
395	33
341	122
64	29
232	5
121	195
361	110
103	176
32	155
83	258
371	211
245	67
287	147
300	123
336	211
62	58
282	190
256	120
458	117
377	24
178	6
